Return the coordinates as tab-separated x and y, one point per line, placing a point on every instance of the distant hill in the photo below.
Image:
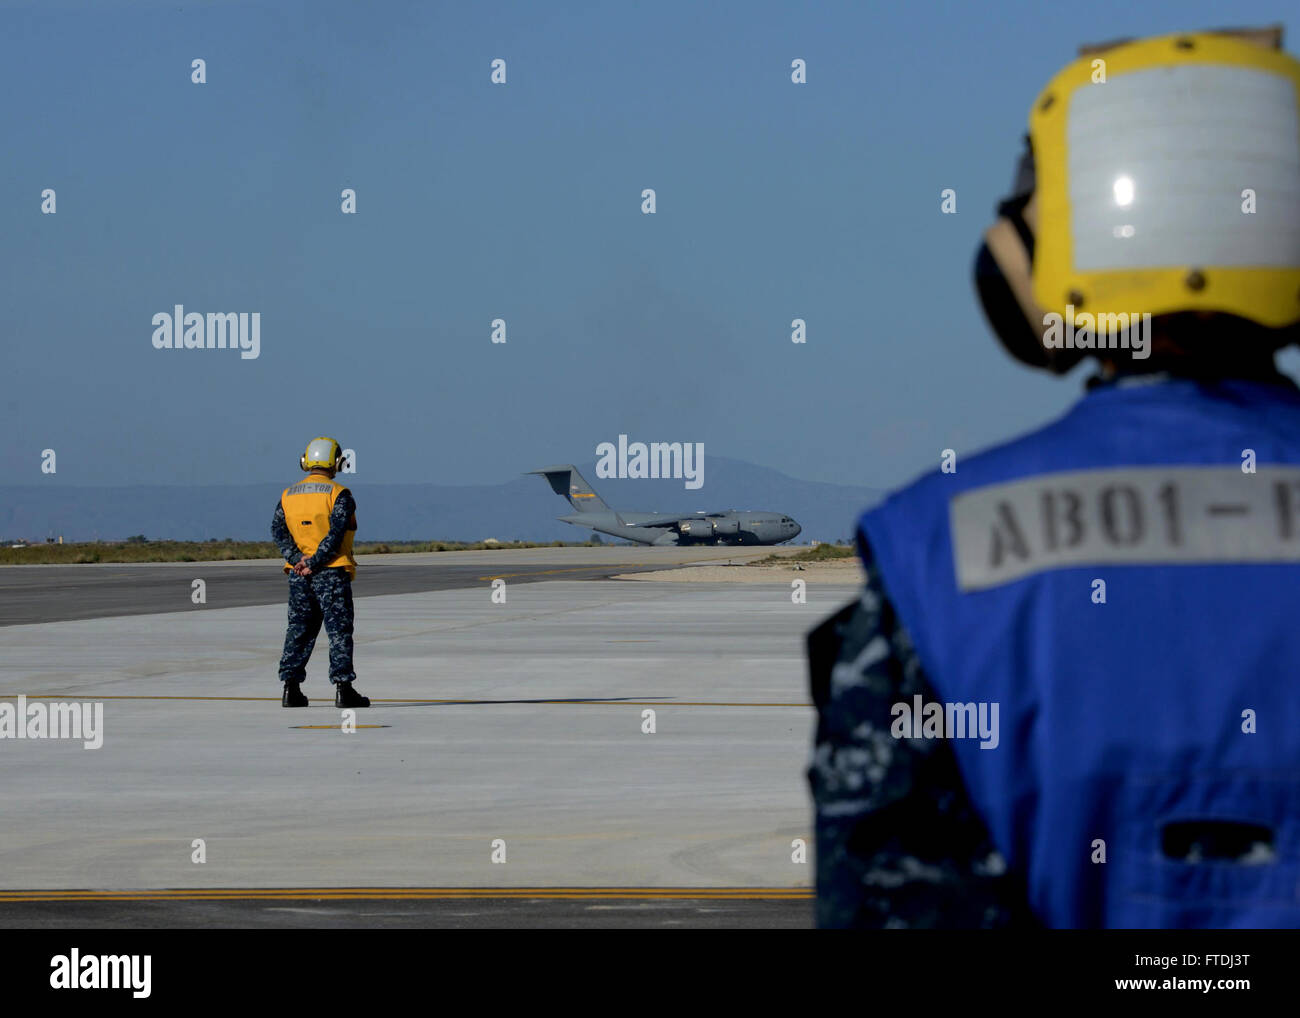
520	509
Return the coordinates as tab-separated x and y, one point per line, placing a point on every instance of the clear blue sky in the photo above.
522	201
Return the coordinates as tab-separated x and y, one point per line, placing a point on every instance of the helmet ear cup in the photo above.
1004	313
1004	283
302	461
1004	276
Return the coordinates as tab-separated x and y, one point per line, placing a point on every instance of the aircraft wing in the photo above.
672	521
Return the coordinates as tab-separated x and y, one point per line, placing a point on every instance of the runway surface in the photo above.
578	908
69	592
512	747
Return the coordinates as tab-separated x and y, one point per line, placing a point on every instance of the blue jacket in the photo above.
1123	588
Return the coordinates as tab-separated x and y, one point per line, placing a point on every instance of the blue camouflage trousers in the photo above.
325	597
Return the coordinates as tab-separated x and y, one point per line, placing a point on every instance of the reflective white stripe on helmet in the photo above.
1158	160
320	450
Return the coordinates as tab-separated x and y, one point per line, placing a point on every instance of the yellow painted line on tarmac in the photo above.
324	700
421	894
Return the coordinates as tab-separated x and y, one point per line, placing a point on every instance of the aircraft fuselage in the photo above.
739	527
736	526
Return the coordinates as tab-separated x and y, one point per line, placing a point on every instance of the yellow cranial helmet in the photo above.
322	454
1162	176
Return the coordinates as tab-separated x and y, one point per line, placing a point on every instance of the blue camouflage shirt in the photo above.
898	843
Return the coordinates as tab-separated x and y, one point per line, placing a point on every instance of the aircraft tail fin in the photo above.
565	480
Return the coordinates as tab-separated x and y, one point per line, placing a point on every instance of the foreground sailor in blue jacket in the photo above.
1068	695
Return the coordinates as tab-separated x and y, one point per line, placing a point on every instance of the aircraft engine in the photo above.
696	530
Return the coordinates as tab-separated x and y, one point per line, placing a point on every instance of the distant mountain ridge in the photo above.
520	509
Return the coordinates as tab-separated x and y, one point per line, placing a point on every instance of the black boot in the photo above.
293	696
346	696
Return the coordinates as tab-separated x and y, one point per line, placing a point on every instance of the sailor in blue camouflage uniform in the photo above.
1131	785
313	526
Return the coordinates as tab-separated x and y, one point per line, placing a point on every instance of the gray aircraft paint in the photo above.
732	527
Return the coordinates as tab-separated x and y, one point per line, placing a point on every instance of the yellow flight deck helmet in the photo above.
322	454
1161	177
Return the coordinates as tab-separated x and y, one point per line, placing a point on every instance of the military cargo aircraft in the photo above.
731	527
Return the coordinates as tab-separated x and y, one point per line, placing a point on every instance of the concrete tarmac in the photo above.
512	748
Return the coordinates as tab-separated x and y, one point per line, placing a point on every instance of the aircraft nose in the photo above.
797	530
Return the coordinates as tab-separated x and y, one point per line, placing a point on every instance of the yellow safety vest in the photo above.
307	506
